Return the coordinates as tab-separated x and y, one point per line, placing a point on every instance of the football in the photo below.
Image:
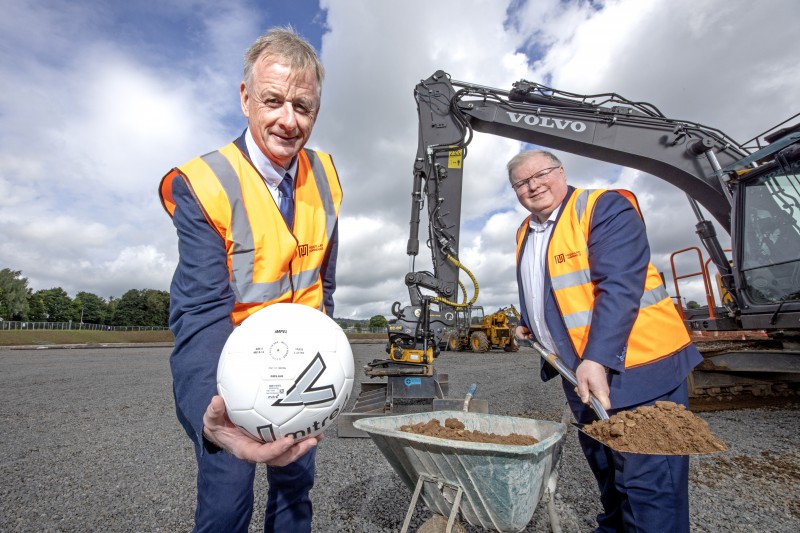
287	369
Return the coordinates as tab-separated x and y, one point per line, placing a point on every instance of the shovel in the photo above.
594	403
556	362
467	404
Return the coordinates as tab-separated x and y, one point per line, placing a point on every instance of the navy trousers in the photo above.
225	494
639	492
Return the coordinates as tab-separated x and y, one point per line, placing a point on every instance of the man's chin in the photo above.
282	154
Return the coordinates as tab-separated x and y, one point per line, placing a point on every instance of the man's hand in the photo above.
521	332
219	429
592	378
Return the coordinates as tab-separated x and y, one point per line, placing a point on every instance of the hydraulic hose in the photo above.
445	301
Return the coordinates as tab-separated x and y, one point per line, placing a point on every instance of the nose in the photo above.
287	118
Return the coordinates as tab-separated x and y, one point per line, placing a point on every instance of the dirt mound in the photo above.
665	428
453	429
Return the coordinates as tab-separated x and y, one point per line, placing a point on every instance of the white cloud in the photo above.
90	120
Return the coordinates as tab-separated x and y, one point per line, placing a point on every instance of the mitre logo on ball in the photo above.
285	370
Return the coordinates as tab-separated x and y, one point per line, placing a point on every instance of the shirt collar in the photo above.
272	173
536	226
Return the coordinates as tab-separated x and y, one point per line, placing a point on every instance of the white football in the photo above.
287	369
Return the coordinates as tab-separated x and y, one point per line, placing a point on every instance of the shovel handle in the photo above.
469	396
556	362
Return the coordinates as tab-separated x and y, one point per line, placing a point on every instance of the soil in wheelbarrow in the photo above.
665	428
453	429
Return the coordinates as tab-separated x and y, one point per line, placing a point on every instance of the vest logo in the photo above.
305	249
547	122
561	258
281	331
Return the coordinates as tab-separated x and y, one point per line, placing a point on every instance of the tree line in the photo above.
137	307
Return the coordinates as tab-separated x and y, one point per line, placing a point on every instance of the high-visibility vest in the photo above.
268	261
658	331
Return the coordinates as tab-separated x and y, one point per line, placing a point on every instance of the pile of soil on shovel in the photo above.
453	429
665	428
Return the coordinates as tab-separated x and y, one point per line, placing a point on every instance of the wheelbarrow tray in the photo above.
501	484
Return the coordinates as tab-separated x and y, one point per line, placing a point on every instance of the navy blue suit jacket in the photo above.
618	257
201	302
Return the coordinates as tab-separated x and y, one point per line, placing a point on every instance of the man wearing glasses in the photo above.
589	293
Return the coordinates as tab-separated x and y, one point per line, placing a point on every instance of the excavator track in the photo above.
743	371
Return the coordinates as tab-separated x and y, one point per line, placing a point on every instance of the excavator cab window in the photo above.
771	238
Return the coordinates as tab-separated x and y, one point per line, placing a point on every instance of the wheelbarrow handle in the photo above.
556	362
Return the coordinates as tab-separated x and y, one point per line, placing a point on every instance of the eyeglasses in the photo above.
540	176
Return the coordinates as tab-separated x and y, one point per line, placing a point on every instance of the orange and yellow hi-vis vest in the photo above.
658	331
268	261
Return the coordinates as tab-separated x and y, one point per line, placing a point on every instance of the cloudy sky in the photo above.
99	98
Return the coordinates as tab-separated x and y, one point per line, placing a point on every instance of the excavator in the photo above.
751	191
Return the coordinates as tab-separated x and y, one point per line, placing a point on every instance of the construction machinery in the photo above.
751	190
480	333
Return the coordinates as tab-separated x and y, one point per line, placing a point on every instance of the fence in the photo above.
11	324
364	329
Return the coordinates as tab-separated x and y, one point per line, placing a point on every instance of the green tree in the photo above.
111	310
157	308
13	295
142	307
378	321
89	308
57	304
691	304
36	309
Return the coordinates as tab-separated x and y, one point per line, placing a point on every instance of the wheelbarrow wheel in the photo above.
438	524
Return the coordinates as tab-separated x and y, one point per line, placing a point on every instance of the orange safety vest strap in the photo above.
165	191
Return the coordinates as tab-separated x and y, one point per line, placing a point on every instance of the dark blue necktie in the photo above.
286	188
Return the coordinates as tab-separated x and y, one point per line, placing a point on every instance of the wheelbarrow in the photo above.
494	486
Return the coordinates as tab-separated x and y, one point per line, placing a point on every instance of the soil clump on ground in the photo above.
665	428
454	429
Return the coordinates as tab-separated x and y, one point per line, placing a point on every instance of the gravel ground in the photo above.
91	443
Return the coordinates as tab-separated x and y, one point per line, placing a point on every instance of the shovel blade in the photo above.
475	406
617	449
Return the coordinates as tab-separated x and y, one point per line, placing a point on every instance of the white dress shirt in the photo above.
273	174
532	272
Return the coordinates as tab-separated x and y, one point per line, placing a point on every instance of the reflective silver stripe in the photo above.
571	279
584	318
306	278
579	319
324	188
653	296
580	203
243	254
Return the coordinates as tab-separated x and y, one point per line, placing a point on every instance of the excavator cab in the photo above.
770	255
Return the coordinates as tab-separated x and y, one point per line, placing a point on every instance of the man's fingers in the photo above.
217	406
604	400
583	391
215	412
287	451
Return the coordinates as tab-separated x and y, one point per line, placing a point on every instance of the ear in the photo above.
244	99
